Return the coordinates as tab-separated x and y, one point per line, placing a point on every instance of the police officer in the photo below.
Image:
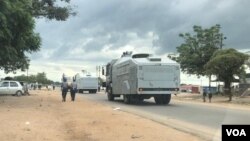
210	95
204	94
73	90
64	87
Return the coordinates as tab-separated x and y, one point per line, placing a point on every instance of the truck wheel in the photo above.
166	99
110	97
127	99
138	100
158	99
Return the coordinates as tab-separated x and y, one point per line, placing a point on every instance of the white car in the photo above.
9	87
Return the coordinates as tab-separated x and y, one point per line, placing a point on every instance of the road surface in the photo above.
195	118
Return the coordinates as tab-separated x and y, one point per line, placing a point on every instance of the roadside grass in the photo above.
217	98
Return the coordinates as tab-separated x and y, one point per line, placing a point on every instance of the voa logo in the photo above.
236	132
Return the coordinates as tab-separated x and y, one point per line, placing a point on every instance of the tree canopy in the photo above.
248	61
17	23
226	64
41	78
197	49
49	9
16	35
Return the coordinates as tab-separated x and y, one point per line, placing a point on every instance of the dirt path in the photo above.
43	117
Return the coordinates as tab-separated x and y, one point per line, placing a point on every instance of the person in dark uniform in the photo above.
64	87
73	90
204	94
210	95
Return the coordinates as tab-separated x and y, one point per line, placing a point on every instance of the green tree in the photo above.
41	78
226	64
197	49
32	79
22	78
17	36
248	61
49	9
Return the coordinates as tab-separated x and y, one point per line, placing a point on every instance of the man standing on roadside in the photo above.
64	88
204	94
73	90
210	96
54	86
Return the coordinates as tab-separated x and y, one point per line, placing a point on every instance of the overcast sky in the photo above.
103	29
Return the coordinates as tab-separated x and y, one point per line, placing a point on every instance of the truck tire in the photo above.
110	97
166	99
127	99
162	99
158	99
80	91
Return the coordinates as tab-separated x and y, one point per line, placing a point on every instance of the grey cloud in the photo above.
109	22
94	45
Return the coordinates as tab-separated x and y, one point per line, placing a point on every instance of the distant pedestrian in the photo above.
40	86
210	97
204	94
209	94
99	88
26	89
54	87
73	90
64	88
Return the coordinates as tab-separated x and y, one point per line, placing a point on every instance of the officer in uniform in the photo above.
73	90
64	89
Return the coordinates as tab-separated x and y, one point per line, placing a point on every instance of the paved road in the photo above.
199	119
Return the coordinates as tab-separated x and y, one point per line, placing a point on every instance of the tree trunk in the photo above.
228	89
209	84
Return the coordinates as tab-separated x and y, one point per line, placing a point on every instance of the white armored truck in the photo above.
142	76
86	82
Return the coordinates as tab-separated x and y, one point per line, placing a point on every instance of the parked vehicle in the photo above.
142	76
86	82
11	88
